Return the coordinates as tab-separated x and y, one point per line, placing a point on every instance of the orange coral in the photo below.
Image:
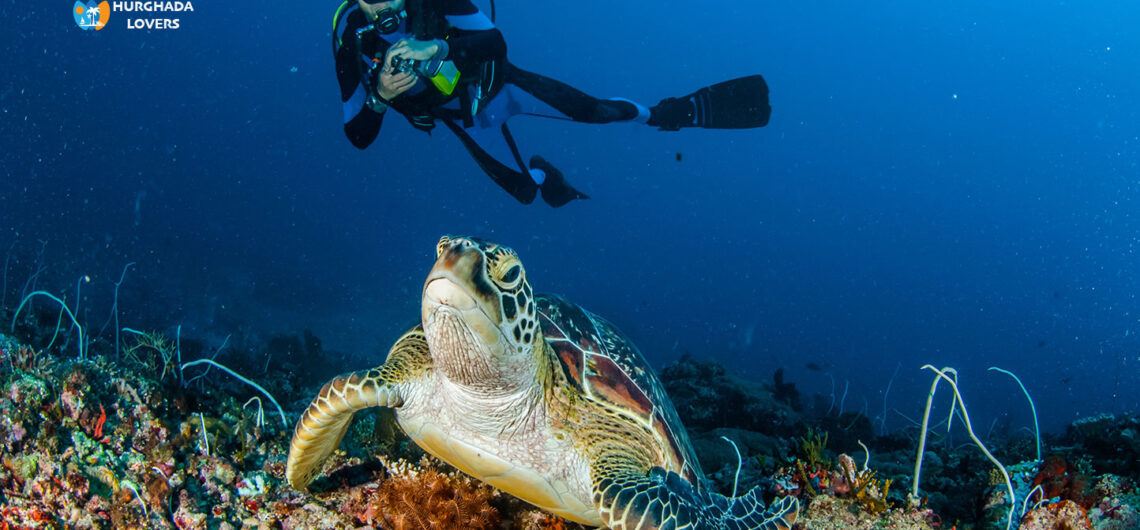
551	522
429	499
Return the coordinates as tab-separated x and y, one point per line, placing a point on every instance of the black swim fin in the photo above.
735	104
555	190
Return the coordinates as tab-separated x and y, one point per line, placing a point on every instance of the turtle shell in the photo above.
606	366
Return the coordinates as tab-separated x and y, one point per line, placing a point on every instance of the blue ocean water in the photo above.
948	183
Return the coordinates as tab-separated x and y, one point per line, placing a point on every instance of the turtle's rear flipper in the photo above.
662	499
735	104
324	422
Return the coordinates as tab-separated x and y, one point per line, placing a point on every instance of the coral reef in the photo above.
98	444
139	443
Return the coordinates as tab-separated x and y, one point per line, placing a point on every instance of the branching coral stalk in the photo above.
152	341
178	350
115	310
82	338
216	353
1032	407
205	435
211	362
260	418
739	463
923	430
969	428
130	485
4	289
883	419
1041	498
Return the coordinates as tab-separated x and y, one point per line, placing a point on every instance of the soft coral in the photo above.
421	498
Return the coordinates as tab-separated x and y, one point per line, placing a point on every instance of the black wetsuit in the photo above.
490	91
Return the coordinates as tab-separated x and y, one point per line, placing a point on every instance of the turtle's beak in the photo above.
453	286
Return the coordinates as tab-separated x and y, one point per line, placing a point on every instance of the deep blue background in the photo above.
946	183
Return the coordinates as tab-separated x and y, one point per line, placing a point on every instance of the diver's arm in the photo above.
361	123
475	37
476	46
463	46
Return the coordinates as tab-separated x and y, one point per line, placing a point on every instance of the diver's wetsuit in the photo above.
491	90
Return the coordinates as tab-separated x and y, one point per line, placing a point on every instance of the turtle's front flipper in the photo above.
663	500
325	421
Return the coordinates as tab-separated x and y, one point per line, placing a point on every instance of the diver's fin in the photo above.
735	104
555	190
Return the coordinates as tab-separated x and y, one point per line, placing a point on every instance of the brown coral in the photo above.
421	497
436	500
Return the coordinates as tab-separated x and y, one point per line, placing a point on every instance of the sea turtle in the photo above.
535	396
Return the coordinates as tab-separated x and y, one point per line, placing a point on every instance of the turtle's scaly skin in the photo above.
536	397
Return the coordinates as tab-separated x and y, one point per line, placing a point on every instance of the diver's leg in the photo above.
571	102
740	103
493	147
518	183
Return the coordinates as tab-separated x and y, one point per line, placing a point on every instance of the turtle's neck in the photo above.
468	362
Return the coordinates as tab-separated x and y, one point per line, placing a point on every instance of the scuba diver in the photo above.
445	61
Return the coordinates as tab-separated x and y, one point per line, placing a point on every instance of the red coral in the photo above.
1059	478
99	422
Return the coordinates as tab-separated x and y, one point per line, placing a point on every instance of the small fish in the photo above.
678	157
813	367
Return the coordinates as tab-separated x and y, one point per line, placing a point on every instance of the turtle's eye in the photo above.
510	276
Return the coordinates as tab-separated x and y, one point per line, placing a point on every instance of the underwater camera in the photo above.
400	64
442	74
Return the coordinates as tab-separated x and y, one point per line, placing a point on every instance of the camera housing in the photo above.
400	64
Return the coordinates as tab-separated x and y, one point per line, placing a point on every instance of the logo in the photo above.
91	15
140	14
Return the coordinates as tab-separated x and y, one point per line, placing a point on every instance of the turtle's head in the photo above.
479	313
